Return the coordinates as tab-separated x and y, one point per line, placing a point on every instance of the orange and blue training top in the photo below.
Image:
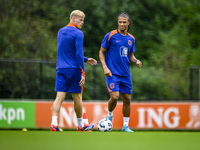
118	52
70	48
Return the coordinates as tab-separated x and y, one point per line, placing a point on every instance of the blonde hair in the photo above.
76	13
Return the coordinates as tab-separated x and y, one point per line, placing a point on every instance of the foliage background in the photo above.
167	42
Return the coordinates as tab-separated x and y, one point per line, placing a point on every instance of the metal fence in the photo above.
194	82
35	79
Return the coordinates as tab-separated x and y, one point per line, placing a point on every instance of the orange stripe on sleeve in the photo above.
111	34
131	35
83	72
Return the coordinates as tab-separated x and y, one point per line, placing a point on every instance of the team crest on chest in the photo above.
129	42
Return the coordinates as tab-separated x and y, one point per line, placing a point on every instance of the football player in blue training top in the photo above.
119	46
70	71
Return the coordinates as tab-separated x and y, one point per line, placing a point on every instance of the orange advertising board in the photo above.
143	115
165	116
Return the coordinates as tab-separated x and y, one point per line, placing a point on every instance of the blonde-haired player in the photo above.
70	71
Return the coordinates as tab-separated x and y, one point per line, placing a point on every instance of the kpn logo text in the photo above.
10	114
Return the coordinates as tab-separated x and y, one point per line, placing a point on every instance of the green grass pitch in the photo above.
114	140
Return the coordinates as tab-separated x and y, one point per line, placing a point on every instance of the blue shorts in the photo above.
123	84
67	80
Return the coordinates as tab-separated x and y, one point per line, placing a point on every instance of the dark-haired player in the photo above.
119	46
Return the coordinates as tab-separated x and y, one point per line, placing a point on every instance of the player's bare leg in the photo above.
78	108
56	109
57	103
114	96
126	112
126	104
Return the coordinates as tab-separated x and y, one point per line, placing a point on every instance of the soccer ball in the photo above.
104	125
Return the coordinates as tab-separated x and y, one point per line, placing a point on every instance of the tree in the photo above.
167	37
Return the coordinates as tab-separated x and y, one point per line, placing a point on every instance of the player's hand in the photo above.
82	82
139	63
91	61
107	72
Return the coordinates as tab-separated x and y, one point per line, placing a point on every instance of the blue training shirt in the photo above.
70	48
118	52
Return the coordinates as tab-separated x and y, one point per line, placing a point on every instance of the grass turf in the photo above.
114	140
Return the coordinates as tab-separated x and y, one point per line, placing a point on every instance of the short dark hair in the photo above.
125	15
